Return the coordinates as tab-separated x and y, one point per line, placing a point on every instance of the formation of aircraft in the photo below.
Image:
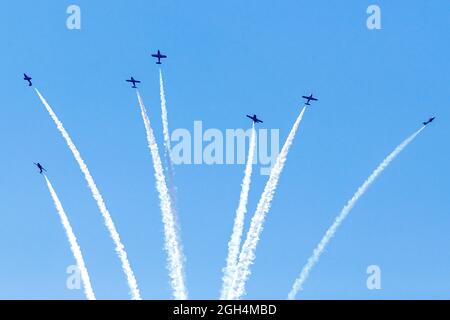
133	81
309	99
40	167
429	121
255	119
159	56
27	78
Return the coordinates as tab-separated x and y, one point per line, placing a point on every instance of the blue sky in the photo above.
226	60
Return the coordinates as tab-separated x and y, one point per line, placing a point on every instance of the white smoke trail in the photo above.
247	255
172	245
238	228
167	146
165	121
168	150
76	251
312	261
119	247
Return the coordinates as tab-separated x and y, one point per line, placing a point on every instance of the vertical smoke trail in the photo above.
172	245
166	135
298	284
164	118
235	241
120	248
168	149
247	255
76	251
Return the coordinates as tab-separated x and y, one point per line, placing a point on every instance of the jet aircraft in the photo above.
133	81
255	119
40	167
27	78
309	99
159	56
429	121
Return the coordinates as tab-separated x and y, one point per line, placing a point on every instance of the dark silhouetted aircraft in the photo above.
309	98
133	81
429	121
40	167
159	56
27	78
254	118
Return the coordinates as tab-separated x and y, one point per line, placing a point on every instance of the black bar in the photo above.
212	309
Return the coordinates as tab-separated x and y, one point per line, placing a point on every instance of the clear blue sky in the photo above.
226	60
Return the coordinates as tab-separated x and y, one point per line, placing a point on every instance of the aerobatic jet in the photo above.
255	119
27	78
40	167
309	98
429	121
159	56
133	81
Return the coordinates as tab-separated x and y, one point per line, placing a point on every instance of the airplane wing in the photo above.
155	55
313	99
163	56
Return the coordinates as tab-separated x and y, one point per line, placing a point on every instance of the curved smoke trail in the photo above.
76	251
312	261
247	255
172	245
238	228
120	248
